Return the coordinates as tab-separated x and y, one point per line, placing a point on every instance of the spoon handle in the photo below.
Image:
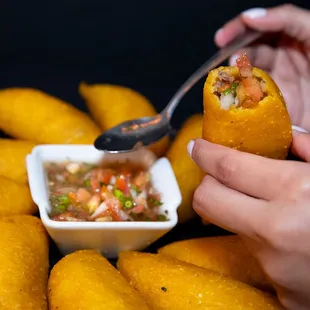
245	39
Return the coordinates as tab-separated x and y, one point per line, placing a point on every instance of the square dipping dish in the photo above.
109	238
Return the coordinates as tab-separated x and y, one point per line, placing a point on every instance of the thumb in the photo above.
301	144
287	18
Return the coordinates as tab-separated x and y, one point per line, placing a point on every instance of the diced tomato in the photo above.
241	93
105	176
82	195
141	180
114	208
103	189
122	185
253	88
72	197
95	184
249	91
138	209
244	66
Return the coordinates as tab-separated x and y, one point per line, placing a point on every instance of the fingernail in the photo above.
218	33
299	129
190	147
233	60
255	13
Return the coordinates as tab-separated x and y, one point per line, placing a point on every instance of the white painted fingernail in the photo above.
233	60
190	147
255	13
299	129
218	33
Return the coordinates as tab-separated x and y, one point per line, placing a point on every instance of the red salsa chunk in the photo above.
244	90
84	192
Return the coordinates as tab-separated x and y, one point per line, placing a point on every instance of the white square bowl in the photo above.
109	238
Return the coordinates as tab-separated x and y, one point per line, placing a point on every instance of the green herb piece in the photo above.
231	89
135	188
54	200
128	204
234	87
154	202
161	217
58	209
226	91
118	194
87	183
134	215
64	200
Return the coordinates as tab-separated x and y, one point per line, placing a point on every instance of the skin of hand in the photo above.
266	202
284	52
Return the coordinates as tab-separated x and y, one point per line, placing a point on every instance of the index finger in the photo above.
229	31
252	175
287	18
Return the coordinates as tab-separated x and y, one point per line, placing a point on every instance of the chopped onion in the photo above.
101	208
227	101
73	168
133	193
60	177
124	216
142	195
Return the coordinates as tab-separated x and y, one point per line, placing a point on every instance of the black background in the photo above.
151	46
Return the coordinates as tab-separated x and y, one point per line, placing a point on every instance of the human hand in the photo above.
266	202
285	55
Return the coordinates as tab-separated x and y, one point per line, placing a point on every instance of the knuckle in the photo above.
200	200
288	7
295	183
304	189
277	234
226	168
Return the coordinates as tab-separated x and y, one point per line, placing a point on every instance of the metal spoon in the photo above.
147	130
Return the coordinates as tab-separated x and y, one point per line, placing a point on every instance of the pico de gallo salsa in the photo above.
242	91
120	192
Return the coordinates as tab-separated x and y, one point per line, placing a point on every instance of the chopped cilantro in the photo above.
154	202
119	194
135	188
87	183
64	199
232	89
161	217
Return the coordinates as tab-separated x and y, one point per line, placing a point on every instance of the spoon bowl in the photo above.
132	134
